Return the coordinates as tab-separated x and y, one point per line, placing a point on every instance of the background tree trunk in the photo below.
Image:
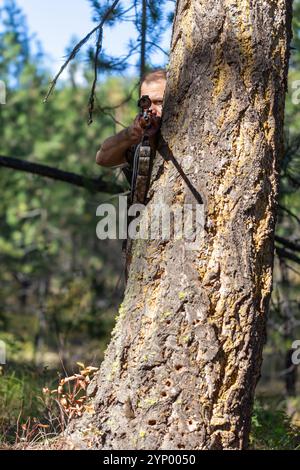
182	366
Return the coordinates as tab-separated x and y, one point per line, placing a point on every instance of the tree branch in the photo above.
287	243
143	39
92	94
285	209
282	253
79	46
91	184
158	47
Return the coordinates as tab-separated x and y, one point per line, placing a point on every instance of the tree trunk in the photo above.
185	355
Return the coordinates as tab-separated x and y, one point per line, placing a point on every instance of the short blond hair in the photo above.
153	75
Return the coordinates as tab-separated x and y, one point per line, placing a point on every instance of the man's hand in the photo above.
112	151
155	125
135	132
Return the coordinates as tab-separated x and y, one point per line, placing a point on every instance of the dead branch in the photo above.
91	184
79	46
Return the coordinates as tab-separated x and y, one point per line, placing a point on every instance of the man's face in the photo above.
155	90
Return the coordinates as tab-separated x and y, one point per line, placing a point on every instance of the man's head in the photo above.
153	84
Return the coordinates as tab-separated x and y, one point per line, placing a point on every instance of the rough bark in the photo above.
185	355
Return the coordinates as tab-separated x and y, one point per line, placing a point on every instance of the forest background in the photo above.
60	286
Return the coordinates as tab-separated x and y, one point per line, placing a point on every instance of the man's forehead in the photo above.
155	87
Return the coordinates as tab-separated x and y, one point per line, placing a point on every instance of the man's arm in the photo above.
112	151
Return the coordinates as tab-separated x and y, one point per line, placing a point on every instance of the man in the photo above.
118	150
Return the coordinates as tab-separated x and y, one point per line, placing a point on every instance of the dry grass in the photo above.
69	400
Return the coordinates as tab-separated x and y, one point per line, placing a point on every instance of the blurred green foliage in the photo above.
272	428
21	397
59	285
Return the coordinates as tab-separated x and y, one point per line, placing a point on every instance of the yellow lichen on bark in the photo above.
182	44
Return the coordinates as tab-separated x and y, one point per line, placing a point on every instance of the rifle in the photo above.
142	156
141	171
